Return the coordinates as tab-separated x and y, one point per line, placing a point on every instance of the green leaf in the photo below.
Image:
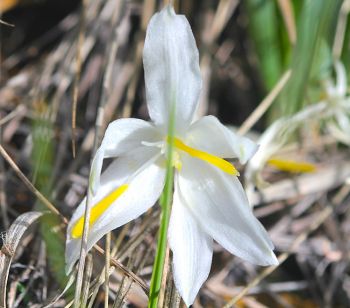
316	23
43	160
264	30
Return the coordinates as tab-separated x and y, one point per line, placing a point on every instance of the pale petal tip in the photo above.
188	299
271	259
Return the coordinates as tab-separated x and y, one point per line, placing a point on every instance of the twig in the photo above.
3	199
6	23
286	8
264	105
340	30
86	282
164	278
30	186
20	110
83	250
78	72
223	13
107	262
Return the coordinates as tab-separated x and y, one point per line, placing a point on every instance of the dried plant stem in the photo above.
341	29
108	260
264	105
286	8
30	186
86	282
78	72
3	199
83	251
164	278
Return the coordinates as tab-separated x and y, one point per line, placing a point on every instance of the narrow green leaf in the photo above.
43	160
316	23
264	30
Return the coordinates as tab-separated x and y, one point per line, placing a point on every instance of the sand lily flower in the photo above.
334	110
209	201
339	105
274	138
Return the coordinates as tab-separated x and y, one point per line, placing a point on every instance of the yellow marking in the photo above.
291	166
209	158
97	210
177	161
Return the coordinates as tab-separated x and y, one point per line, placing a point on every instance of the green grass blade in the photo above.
316	21
42	158
264	30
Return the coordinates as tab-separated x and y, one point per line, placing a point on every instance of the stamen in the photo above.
291	166
97	210
209	158
177	161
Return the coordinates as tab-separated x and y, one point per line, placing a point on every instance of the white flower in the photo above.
334	109
339	105
274	138
209	201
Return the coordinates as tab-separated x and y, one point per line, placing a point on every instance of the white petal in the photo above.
343	121
341	85
124	135
171	64
192	250
120	137
143	191
219	203
209	135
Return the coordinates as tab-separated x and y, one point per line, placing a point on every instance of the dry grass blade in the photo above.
341	29
59	296
286	7
86	281
264	105
3	199
31	187
10	243
78	72
6	23
107	263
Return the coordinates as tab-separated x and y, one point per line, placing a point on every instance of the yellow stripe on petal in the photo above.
291	165
97	210
209	158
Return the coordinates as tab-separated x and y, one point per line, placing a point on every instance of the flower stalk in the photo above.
165	202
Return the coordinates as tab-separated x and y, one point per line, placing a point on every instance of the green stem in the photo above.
165	202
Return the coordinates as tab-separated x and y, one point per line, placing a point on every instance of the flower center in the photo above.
209	158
